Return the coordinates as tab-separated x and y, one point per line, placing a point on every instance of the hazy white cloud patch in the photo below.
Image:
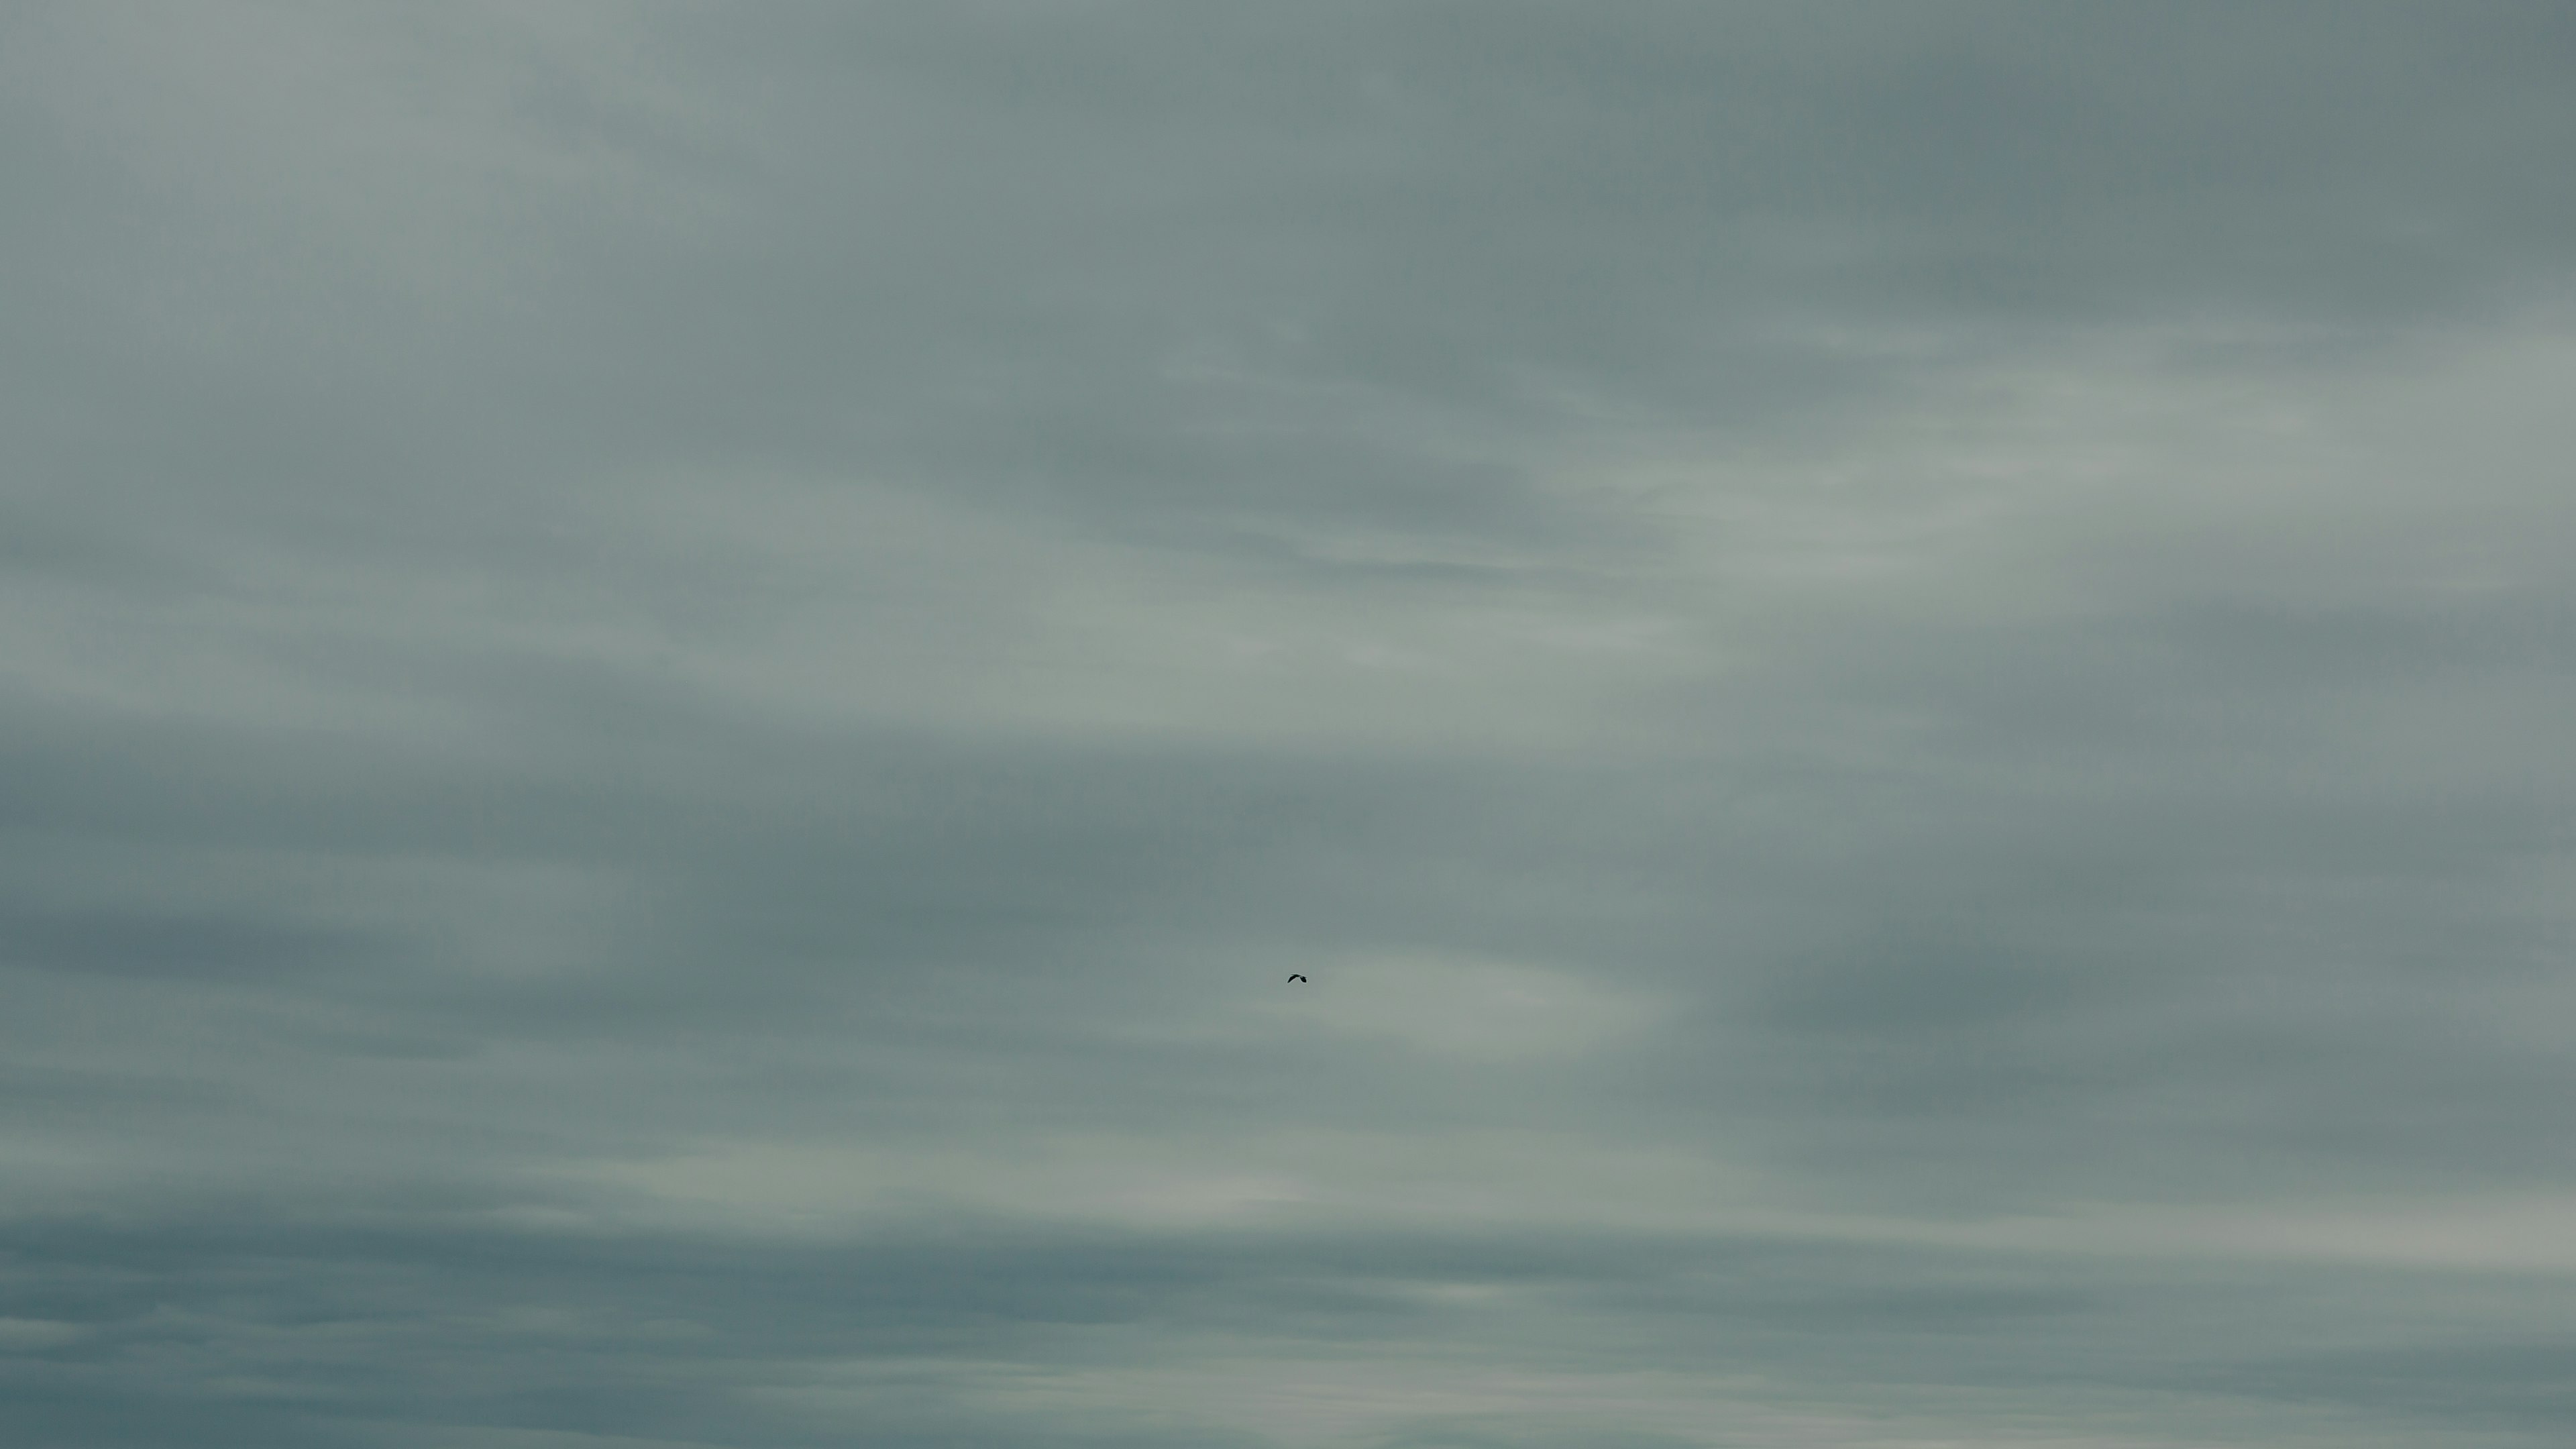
1460	1006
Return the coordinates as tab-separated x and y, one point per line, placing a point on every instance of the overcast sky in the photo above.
678	682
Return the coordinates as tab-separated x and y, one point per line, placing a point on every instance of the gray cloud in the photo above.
675	688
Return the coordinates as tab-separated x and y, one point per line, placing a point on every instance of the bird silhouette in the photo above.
1297	978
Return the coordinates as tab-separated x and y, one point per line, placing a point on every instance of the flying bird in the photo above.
1297	978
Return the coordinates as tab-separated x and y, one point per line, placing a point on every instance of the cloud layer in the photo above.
677	685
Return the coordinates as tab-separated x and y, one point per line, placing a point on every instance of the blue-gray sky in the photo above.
677	683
